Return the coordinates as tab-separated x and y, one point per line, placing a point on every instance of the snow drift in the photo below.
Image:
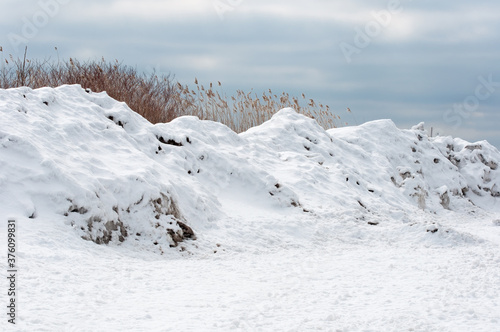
71	154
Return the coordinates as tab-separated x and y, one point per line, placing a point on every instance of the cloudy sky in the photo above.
410	61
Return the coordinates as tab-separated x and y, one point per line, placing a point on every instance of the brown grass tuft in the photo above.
156	97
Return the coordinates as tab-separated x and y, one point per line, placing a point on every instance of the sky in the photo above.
406	60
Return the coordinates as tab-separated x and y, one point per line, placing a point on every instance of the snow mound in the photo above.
91	159
82	157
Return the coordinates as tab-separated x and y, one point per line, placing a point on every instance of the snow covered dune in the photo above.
188	226
85	159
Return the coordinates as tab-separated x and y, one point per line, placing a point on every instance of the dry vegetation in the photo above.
157	97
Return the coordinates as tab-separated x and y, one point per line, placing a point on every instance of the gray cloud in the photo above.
427	57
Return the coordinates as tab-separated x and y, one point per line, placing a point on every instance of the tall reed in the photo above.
157	97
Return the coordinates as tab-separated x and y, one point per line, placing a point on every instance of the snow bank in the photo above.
114	177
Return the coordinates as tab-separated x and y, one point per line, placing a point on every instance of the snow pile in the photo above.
89	160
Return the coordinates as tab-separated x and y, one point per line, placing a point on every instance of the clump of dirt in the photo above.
166	224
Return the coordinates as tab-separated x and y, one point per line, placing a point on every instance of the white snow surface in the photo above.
126	225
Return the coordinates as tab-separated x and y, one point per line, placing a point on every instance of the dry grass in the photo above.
246	110
157	97
152	96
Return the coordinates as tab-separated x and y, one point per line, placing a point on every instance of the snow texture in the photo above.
287	226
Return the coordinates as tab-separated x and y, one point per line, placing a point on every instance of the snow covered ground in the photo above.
125	225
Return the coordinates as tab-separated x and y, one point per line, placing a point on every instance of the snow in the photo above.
126	225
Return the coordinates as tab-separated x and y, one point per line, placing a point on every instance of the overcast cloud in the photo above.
410	61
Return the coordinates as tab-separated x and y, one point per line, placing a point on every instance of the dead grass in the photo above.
157	97
246	110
